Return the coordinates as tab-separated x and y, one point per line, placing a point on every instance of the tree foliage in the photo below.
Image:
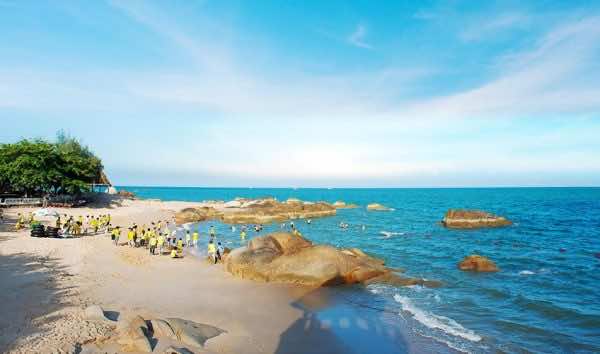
36	167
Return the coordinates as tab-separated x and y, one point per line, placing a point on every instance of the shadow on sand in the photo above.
30	295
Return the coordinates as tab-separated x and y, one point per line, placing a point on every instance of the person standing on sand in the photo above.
153	242
130	235
115	235
212	251
161	243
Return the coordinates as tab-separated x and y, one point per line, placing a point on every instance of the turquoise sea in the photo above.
545	299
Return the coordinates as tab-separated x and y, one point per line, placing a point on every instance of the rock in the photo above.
196	214
269	211
293	201
284	257
342	205
471	219
162	328
131	321
173	350
192	333
378	207
477	263
233	204
94	313
134	340
132	334
261	211
126	194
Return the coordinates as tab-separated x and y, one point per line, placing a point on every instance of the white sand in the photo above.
47	282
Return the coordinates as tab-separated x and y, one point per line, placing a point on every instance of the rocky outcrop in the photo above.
135	334
273	211
287	258
342	205
477	263
197	214
471	219
94	313
378	207
261	211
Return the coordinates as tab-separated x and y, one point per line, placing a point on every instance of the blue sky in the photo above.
311	93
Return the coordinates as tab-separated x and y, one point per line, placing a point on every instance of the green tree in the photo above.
36	167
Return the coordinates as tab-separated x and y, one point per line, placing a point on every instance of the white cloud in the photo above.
492	26
357	38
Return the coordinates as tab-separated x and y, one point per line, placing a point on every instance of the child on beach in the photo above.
220	251
188	238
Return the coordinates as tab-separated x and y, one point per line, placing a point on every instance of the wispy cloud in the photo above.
358	37
484	28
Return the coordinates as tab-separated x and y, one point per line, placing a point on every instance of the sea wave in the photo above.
433	321
388	234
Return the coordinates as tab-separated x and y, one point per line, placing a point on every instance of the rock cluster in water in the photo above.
287	258
471	219
258	211
477	263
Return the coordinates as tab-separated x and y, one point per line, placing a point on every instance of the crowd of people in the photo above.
160	238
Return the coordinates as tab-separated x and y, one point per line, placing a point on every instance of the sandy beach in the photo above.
47	283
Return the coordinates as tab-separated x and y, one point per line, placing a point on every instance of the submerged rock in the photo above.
477	263
284	257
471	219
378	207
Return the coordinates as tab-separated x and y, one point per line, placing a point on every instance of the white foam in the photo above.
388	234
526	272
433	321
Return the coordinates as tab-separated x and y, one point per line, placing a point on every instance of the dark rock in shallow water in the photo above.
472	219
477	263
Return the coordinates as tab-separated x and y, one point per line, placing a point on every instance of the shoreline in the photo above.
44	310
71	274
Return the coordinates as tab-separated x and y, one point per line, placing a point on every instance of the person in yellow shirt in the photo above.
130	236
195	238
243	235
180	244
153	241
115	235
161	243
212	251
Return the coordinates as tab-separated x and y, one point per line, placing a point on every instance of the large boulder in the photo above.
477	263
471	219
378	207
284	257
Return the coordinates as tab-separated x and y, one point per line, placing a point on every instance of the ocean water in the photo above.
546	298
